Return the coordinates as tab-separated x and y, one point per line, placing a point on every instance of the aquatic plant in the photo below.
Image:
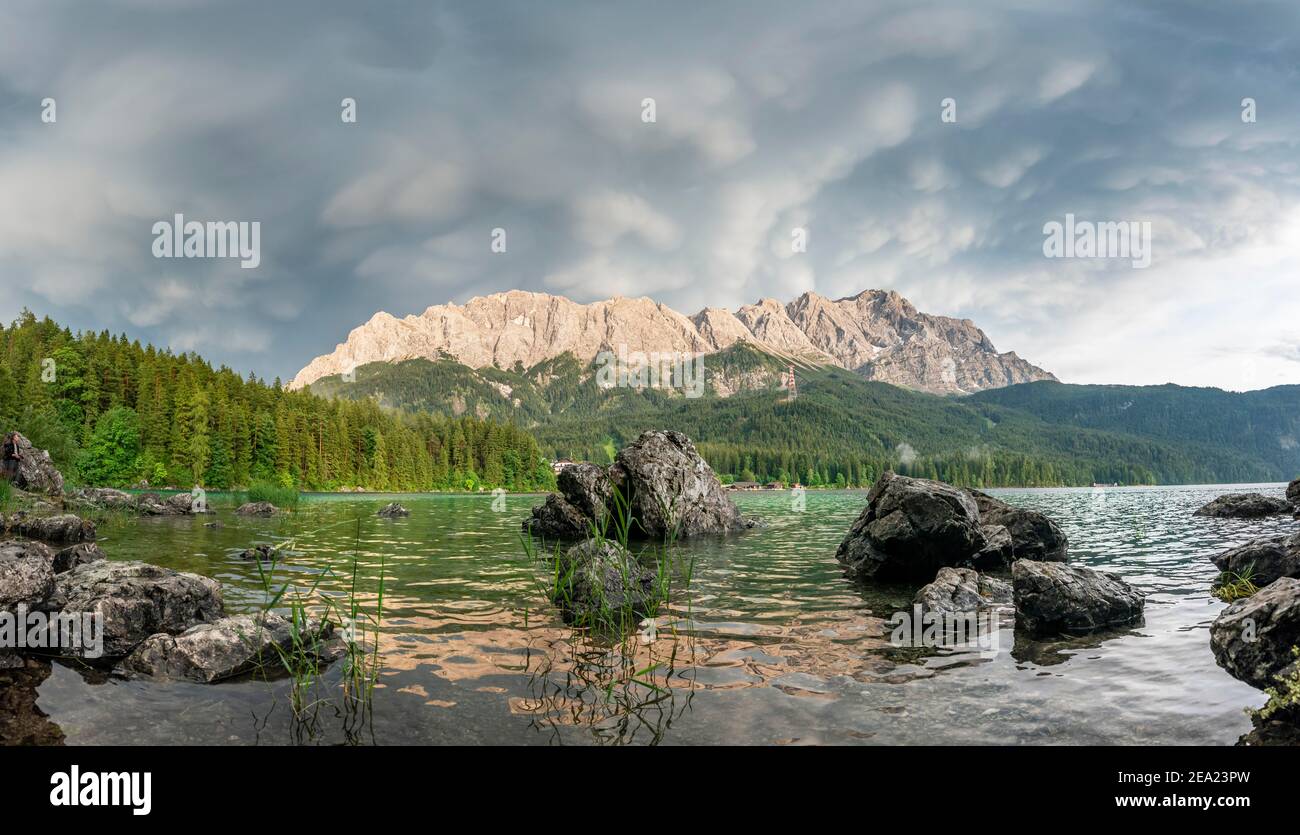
1232	586
278	495
1285	697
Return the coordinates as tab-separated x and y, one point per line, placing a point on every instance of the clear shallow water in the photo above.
772	645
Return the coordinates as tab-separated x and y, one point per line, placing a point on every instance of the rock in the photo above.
182	504
231	646
1263	560
100	497
670	490
36	472
1033	535
962	590
555	518
998	551
26	574
75	555
600	581
137	600
1252	638
1293	492
392	510
65	527
911	528
257	509
1052	598
1244	506
588	488
261	553
22	722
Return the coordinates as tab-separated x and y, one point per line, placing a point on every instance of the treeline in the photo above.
113	412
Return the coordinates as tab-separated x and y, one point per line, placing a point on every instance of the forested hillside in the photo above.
113	412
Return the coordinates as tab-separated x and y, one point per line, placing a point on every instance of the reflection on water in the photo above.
770	645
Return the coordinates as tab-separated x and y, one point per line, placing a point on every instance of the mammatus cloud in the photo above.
532	119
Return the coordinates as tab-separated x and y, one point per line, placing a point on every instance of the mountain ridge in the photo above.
877	334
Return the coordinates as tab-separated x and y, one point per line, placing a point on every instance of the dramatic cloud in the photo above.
767	118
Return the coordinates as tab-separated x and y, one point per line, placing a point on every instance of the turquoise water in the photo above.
770	645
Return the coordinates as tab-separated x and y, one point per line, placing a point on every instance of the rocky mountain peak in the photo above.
877	333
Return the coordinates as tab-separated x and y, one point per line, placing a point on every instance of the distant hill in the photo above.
843	429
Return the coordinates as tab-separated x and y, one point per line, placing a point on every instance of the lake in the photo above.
769	645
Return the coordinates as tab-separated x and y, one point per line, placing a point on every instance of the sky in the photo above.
922	147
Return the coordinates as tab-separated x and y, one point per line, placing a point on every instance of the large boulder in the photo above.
136	600
911	528
75	555
1053	598
1263	560
62	528
672	491
1033	535
1244	506
256	509
668	488
600	583
1253	638
999	549
100	498
958	590
26	574
231	646
36	472
1293	493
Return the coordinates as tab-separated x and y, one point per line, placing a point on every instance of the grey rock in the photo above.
1244	506
600	579
999	549
668	488
261	553
1263	560
107	498
137	600
962	590
1053	598
1293	492
65	527
224	648
256	509
672	491
1033	535
392	510
36	472
910	528
26	574
75	555
1253	638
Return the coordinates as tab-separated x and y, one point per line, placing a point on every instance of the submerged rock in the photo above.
261	553
26	574
1052	598
75	555
392	510
257	509
22	722
231	646
599	580
62	528
1244	506
1263	560
1253	638
911	528
36	471
962	590
137	600
668	488
1033	535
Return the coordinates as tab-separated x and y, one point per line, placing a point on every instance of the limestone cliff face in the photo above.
878	334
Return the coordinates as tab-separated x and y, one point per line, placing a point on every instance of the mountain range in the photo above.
876	334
